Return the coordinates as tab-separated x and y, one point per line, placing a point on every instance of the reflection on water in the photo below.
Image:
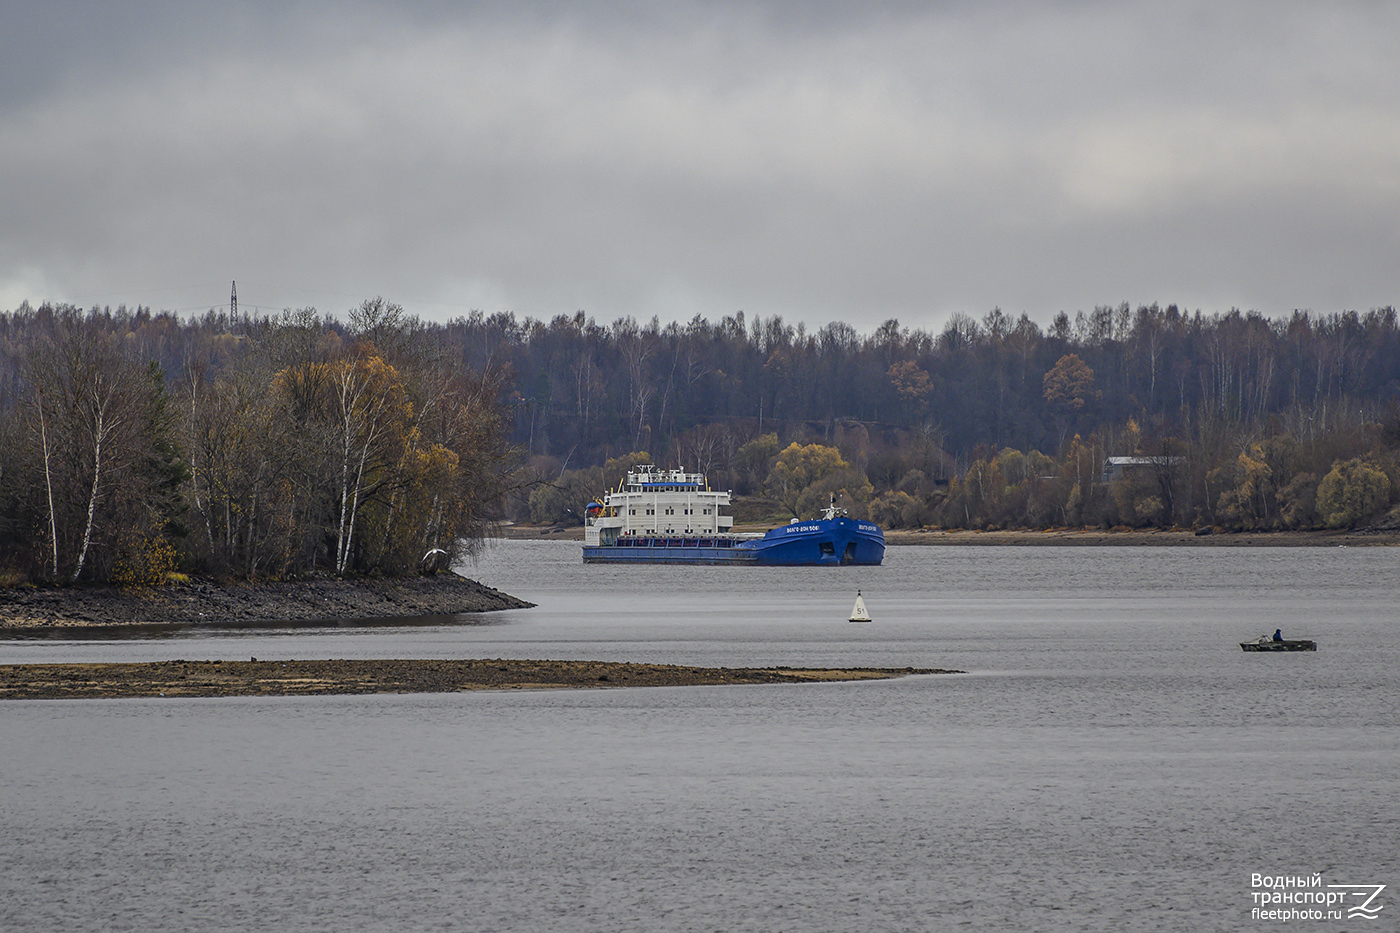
1114	761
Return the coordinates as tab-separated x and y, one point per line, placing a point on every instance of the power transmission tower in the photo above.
233	302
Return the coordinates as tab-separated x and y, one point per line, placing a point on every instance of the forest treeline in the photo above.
1232	420
295	443
135	445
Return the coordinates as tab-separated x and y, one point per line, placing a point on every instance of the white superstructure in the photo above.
654	502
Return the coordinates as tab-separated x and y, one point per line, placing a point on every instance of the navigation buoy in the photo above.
858	612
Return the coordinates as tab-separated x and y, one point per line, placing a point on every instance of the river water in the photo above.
1112	760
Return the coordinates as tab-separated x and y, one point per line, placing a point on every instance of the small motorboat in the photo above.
1265	643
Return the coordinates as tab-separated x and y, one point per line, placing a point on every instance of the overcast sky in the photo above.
822	161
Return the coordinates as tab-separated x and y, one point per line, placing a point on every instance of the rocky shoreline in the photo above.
232	603
310	678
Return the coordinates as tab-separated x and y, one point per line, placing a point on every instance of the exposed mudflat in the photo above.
205	601
305	678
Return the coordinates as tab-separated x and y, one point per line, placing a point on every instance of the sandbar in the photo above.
254	677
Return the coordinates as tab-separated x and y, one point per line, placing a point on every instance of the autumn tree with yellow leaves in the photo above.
802	467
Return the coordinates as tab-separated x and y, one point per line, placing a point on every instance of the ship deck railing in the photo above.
678	542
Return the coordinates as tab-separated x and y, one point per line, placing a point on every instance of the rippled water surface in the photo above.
1112	760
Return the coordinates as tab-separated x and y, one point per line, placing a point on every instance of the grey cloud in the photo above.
819	161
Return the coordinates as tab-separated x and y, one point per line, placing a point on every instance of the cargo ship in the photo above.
673	517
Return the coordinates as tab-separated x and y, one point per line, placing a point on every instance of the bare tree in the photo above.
90	401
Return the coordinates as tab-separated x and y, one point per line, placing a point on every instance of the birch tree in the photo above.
89	407
372	411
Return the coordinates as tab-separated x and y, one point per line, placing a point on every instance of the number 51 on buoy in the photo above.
858	611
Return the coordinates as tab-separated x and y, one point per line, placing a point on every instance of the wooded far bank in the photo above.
135	444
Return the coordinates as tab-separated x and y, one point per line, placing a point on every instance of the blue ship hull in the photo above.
821	542
828	541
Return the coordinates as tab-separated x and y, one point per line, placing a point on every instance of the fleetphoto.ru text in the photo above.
1281	898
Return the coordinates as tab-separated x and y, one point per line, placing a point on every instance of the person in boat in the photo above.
1278	634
